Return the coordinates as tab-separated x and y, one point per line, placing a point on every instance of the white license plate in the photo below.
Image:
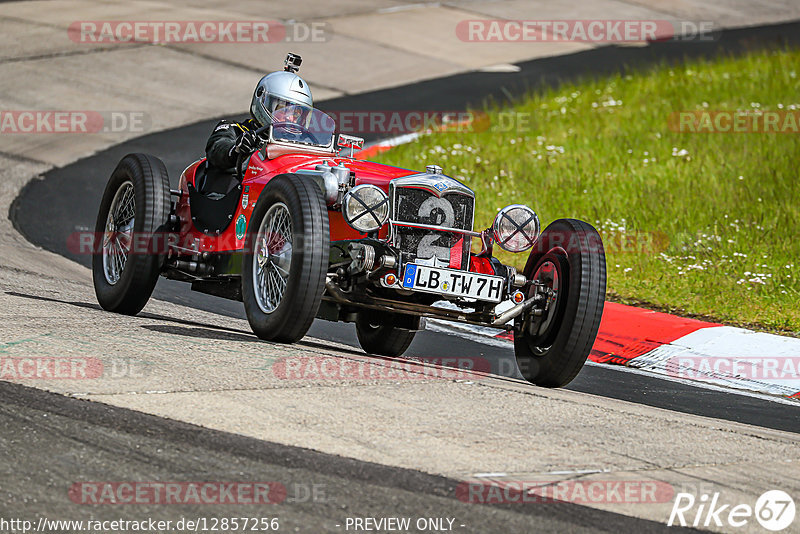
453	282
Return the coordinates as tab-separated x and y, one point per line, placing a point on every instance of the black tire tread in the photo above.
292	319
560	367
151	186
386	340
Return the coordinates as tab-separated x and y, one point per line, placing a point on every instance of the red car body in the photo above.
259	171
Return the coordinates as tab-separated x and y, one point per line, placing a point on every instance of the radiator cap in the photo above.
433	169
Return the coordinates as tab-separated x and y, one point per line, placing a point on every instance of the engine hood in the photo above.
438	184
370	172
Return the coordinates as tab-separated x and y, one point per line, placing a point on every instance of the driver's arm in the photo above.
219	148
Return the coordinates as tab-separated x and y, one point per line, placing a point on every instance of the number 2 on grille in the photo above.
426	248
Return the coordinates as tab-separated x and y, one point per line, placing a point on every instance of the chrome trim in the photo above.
184	251
426	181
279	148
272	259
370	210
350	141
363	257
433	169
387	262
429	181
335	294
499	218
328	183
437	228
118	235
512	313
487	243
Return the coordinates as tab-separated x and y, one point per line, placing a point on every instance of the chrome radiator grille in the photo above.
419	205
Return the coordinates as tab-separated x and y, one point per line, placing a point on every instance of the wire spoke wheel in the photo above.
134	208
286	258
119	232
273	257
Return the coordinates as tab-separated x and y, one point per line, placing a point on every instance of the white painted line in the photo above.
696	383
730	357
394	141
407	7
457	329
578	472
466	332
500	67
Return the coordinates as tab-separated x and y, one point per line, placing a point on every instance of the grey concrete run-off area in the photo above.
200	368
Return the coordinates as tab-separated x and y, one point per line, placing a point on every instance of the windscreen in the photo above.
295	123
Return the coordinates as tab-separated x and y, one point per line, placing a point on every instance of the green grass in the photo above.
724	208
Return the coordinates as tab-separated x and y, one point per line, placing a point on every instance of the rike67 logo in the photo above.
774	510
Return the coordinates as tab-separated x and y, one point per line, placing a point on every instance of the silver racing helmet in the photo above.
278	90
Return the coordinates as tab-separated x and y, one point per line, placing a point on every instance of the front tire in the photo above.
134	208
569	258
286	259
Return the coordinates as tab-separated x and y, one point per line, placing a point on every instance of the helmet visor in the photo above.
285	111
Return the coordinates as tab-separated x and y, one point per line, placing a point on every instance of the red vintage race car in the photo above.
307	231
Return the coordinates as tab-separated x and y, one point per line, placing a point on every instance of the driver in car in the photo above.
279	97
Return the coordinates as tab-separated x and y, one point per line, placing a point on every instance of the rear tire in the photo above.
552	349
378	337
285	264
135	205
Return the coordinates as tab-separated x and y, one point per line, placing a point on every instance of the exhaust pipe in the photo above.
512	313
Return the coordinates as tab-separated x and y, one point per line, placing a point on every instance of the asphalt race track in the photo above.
100	441
111	423
70	196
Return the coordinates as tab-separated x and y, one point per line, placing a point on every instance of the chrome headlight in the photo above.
515	228
366	208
